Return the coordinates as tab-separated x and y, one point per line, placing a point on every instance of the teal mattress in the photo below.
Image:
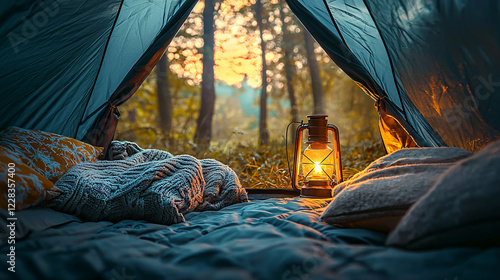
262	239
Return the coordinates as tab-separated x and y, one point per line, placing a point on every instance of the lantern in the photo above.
319	165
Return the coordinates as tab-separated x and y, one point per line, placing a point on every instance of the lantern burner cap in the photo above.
317	116
318	129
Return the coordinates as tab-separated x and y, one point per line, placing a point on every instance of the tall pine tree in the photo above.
263	131
165	108
314	71
203	133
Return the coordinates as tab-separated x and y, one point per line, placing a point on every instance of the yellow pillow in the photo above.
30	187
49	154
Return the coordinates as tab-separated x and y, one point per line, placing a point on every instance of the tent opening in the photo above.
164	113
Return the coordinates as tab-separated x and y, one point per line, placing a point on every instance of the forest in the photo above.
237	73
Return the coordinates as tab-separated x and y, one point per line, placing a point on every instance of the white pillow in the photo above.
379	196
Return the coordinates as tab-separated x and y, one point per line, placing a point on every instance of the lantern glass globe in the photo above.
318	162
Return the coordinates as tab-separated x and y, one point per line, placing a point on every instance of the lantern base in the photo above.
316	189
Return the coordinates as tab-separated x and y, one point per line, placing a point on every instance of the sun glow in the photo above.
236	51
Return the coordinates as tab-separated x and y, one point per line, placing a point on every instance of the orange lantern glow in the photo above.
319	165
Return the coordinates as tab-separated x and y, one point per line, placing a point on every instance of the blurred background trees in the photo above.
236	74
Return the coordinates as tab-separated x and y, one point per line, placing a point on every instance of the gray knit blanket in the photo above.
152	185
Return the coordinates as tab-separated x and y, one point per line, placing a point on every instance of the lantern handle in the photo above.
336	144
296	154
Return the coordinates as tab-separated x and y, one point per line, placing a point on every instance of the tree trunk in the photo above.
263	132
203	133
289	71
165	108
314	71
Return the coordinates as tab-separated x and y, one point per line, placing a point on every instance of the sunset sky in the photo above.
237	49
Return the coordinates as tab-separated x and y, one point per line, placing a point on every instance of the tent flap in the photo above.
68	64
394	134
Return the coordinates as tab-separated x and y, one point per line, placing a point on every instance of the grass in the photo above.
266	167
257	167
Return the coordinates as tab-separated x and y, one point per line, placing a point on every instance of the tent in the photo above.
431	66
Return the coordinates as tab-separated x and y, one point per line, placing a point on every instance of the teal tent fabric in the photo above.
435	63
67	65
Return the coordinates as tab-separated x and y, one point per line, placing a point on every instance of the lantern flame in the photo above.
317	168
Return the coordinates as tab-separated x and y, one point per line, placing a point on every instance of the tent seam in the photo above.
352	53
390	60
336	26
99	70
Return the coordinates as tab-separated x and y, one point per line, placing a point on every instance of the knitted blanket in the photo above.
151	185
